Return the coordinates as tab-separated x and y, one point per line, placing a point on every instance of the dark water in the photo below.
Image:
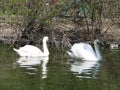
58	72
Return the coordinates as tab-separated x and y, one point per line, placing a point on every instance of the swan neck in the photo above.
98	55
45	49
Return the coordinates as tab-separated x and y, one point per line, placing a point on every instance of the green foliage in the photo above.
30	10
30	14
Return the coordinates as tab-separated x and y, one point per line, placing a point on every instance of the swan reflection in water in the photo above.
30	62
85	69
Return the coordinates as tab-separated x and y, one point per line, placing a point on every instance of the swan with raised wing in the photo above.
85	51
33	51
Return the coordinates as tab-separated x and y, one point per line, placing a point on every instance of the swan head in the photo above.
97	41
45	39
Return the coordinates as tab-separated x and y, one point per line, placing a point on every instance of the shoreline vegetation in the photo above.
63	32
64	22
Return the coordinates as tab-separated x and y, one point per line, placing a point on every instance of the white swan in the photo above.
32	51
85	51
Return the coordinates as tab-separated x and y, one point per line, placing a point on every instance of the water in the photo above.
58	72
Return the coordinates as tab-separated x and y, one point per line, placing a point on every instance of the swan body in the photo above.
33	51
85	51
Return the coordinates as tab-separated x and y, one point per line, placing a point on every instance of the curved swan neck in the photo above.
45	49
98	55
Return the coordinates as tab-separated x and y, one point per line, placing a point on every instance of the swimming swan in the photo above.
32	51
85	51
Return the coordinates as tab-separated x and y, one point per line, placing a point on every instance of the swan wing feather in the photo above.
83	51
89	48
30	49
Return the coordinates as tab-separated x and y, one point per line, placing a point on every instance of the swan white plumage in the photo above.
85	51
33	51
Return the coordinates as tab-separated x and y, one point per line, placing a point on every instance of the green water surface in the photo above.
61	73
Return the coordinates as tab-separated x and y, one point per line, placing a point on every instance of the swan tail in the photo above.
70	54
18	51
